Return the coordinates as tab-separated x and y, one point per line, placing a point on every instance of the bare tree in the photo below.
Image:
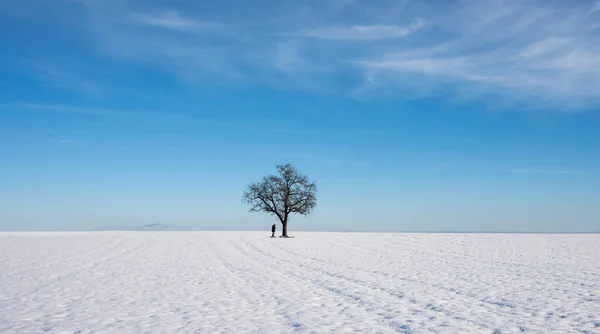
283	194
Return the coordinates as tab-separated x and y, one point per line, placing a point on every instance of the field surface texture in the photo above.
246	282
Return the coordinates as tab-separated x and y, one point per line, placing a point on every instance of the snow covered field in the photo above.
233	282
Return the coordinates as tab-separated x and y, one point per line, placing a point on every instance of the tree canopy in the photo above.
287	193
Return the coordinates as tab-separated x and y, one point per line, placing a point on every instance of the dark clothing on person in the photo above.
273	228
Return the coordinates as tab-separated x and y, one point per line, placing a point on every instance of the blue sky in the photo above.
409	115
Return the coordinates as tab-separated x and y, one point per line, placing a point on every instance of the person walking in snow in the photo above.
273	228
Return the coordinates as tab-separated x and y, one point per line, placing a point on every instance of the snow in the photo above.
231	282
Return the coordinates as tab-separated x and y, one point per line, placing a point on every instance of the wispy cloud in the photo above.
61	79
363	32
544	53
596	7
172	19
169	19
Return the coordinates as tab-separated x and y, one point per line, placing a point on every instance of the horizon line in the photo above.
301	231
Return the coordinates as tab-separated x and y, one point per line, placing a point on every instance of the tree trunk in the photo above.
284	233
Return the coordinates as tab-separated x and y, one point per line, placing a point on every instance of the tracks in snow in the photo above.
240	281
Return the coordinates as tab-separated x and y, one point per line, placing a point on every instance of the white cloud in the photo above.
543	47
288	56
595	8
363	32
545	57
544	53
63	80
172	19
442	66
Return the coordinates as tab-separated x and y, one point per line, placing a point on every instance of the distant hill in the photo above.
156	226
